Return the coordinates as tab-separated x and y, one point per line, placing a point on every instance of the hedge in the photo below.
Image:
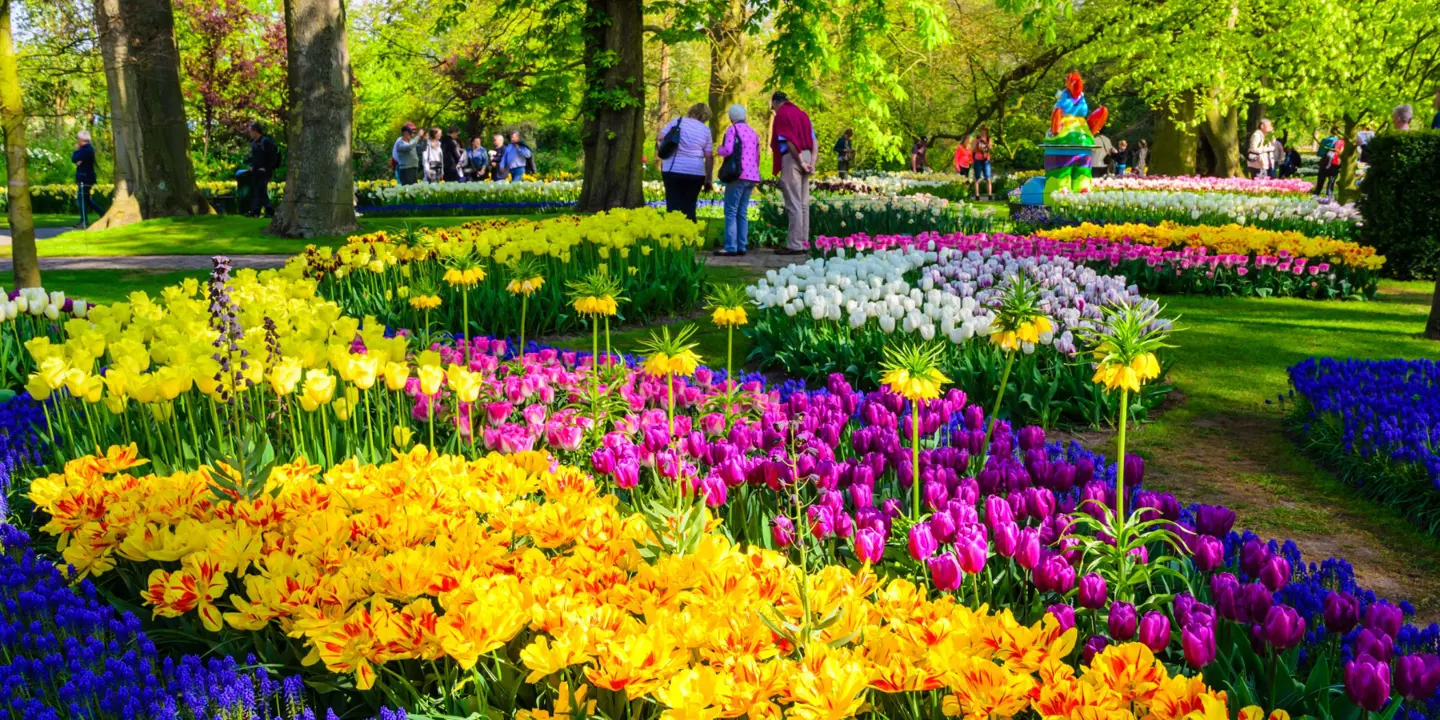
1400	201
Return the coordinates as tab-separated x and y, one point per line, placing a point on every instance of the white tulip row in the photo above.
37	302
1239	208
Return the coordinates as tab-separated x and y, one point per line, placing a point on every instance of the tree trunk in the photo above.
1254	113
320	180
1222	131
1432	326
614	105
662	88
1173	152
153	172
12	111
1348	191
727	61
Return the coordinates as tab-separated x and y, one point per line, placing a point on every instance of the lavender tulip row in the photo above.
1377	423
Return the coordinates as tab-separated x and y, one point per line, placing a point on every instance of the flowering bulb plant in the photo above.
25	314
526	278
727	305
913	372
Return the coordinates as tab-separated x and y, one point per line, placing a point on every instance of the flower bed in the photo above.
837	315
878	214
651	254
1172	259
1305	215
25	315
1377	424
68	654
1195	183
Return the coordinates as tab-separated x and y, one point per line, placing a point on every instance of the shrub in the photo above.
1400	199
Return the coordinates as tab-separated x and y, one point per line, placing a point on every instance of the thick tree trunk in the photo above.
727	61
153	172
614	106
1173	152
1222	131
1432	326
320	180
1348	191
12	112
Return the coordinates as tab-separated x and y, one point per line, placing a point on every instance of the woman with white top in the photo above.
688	170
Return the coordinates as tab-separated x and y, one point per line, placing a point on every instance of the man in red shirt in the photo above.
792	144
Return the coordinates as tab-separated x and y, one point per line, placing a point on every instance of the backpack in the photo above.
731	169
671	142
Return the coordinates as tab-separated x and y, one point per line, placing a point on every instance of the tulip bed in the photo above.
1306	215
1377	424
652	255
1195	183
1173	259
837	315
843	214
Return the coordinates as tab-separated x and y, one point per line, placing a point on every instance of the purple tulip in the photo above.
782	530
1054	574
1064	614
1374	643
972	551
1252	557
922	542
1283	628
869	546
1007	539
1198	641
1027	550
1257	600
712	487
1367	682
627	472
945	571
1214	520
1208	553
943	527
861	496
1275	573
1031	437
1155	631
1224	591
1094	646
1417	677
1342	612
1122	622
603	460
1385	617
1093	592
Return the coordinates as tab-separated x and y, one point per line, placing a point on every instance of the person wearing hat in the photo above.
406	155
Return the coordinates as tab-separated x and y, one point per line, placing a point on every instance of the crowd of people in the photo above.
434	156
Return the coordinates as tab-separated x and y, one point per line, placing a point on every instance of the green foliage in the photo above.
1400	200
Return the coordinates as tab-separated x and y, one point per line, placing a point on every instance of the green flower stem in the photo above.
524	303
995	412
915	456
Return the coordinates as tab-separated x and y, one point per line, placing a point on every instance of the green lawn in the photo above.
106	286
210	235
45	220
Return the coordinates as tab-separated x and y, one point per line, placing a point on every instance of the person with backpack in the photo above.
1329	151
740	171
432	158
264	160
844	153
450	155
687	161
963	158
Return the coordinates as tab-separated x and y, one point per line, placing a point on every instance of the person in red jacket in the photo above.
963	157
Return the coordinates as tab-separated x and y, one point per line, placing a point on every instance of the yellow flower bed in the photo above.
443	559
1227	240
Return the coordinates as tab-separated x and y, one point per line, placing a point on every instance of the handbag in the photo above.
730	169
670	143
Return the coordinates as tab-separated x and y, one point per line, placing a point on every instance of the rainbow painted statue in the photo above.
1071	139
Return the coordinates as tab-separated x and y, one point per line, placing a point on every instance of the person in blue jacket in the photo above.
84	159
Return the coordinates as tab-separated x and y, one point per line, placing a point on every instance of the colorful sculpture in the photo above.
1069	145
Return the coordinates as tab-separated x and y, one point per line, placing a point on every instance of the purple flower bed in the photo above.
1376	423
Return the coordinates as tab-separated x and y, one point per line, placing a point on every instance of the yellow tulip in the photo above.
364	369
285	376
465	384
431	377
396	373
319	390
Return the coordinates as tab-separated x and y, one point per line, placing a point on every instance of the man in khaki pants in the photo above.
792	144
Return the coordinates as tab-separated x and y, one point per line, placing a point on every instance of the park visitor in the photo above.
1277	156
844	152
84	159
264	160
1257	156
406	155
497	155
963	158
432	158
691	166
1120	159
1140	164
517	158
477	160
1100	156
450	154
980	159
792	143
917	156
1329	151
1401	117
741	138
